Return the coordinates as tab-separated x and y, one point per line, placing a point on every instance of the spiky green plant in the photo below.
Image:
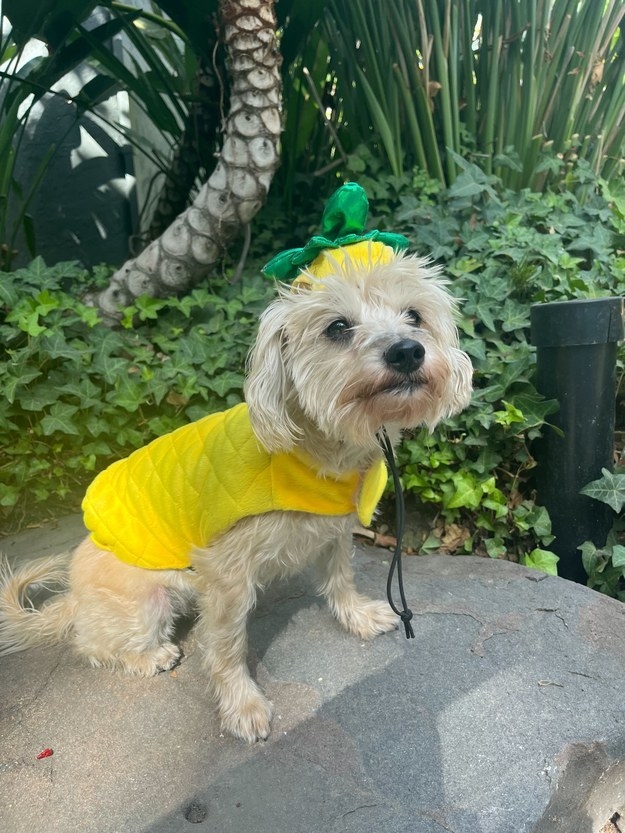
503	80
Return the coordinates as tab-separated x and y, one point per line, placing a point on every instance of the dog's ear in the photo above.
461	383
268	386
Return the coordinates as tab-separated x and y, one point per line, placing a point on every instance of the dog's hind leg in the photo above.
133	635
125	615
358	614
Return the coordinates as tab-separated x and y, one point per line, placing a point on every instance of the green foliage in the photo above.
605	566
503	250
501	80
77	395
542	560
609	488
158	74
24	83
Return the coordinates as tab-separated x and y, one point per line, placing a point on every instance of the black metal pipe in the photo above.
576	344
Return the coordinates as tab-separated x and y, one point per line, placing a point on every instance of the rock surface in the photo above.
505	714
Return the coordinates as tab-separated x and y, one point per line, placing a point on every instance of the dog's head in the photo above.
364	338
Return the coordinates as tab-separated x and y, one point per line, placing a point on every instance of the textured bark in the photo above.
238	186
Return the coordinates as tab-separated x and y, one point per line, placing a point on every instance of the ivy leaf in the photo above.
543	560
509	416
495	548
466	186
618	555
88	394
58	347
28	321
590	556
609	488
467	492
225	382
8	293
9	495
514	316
38	398
508	159
537	518
485	314
46	302
60	419
12	382
129	395
37	269
534	408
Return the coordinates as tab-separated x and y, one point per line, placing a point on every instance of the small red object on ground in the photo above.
46	753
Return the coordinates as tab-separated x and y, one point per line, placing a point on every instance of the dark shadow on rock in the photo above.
331	774
586	794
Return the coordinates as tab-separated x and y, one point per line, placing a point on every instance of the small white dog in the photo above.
367	342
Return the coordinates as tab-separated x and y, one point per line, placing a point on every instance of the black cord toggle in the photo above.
405	614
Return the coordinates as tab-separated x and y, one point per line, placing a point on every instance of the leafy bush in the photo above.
504	80
77	395
503	251
605	565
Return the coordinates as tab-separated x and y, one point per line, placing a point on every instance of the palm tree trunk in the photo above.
187	251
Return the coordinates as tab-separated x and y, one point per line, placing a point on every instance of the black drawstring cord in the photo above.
405	614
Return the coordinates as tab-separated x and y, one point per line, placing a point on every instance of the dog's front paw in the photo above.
368	618
250	720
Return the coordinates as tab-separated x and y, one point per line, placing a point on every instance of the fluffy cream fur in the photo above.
325	387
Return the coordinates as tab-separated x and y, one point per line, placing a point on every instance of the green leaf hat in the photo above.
342	224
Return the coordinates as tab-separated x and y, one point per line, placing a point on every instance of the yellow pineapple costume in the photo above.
185	488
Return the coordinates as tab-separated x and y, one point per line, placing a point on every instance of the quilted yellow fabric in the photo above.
187	487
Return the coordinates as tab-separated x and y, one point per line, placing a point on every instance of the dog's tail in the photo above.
22	625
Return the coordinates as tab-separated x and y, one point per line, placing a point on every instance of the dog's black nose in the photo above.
405	356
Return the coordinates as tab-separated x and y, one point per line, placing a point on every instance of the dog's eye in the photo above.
414	317
339	330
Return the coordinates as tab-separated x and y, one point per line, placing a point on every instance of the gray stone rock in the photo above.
504	715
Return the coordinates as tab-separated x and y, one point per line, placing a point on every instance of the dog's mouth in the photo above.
401	387
392	387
